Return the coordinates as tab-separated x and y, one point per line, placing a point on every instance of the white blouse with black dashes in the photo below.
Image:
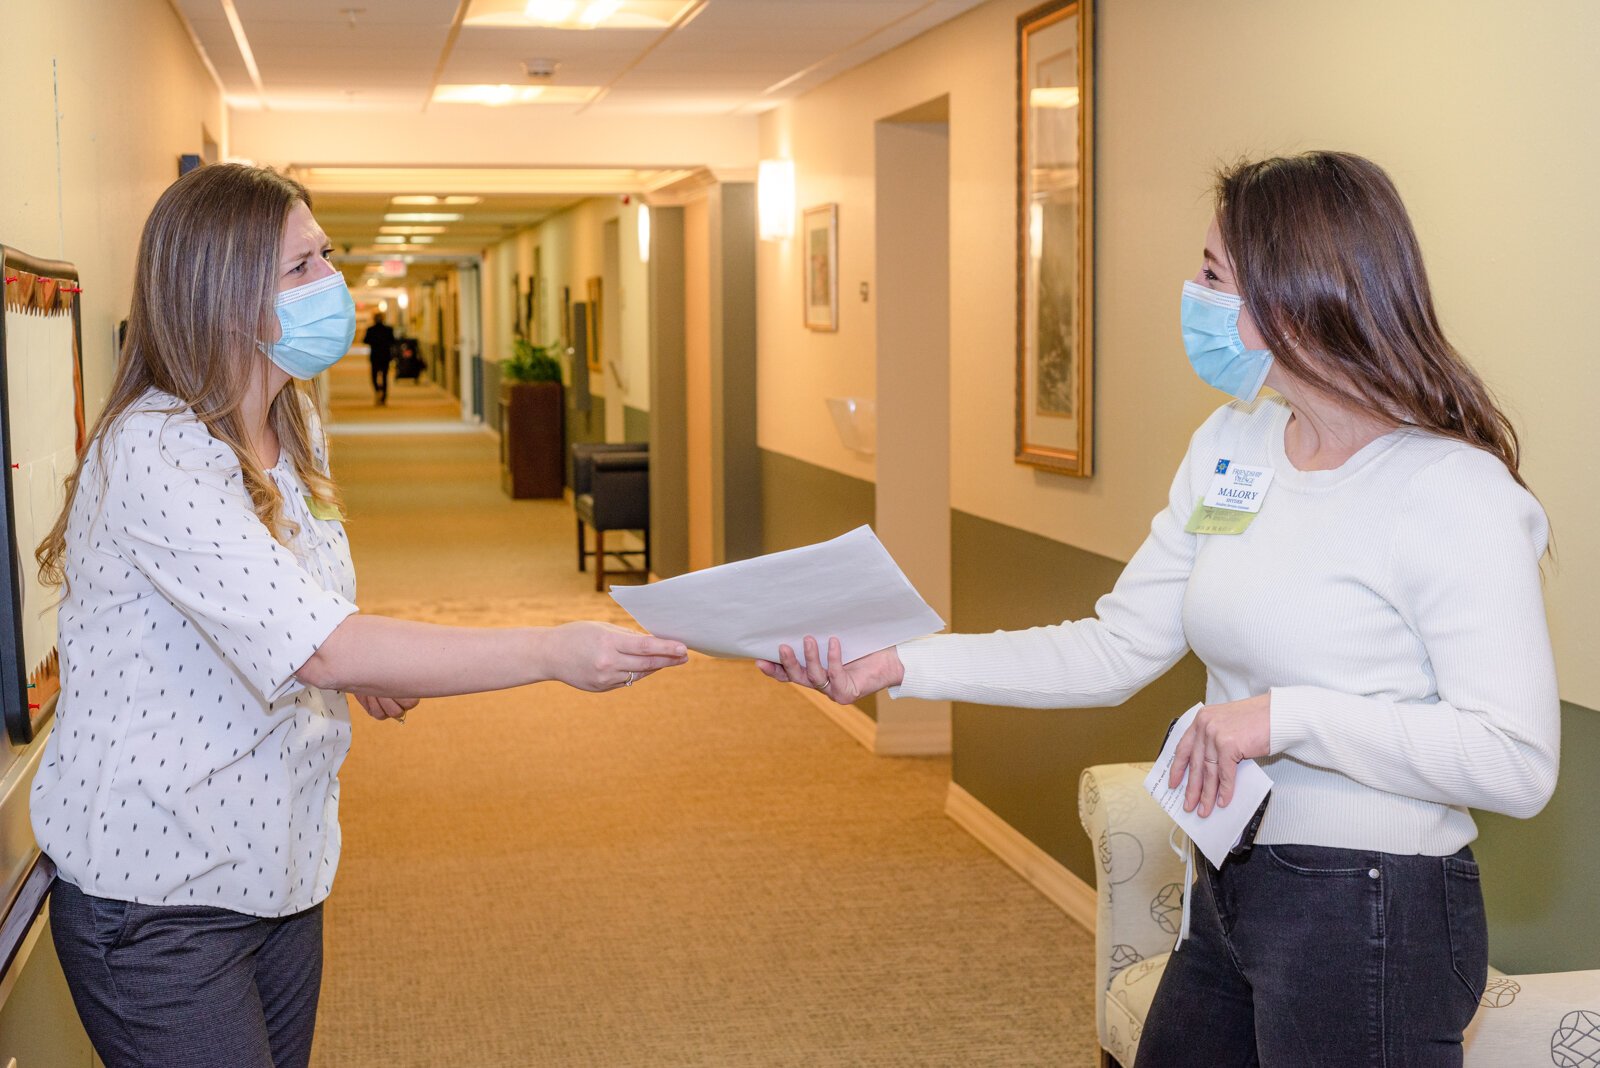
187	765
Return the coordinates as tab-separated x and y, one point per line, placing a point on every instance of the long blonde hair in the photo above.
203	294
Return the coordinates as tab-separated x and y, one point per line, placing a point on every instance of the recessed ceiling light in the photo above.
457	201
389	239
579	14
423	217
496	96
411	229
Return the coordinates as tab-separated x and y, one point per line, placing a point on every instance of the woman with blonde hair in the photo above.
189	791
1369	609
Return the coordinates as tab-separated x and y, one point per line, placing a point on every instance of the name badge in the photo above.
319	510
1232	501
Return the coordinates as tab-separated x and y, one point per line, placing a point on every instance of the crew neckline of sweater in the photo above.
1286	473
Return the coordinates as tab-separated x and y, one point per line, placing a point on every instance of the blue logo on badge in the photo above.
1222	467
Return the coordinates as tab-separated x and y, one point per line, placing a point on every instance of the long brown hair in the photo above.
1329	266
203	293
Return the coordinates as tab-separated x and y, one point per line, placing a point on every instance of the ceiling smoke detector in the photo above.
539	70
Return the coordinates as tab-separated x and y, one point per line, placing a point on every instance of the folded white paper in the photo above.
849	588
1219	832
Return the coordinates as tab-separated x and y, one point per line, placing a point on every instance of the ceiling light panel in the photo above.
449	200
412	229
577	14
506	95
423	217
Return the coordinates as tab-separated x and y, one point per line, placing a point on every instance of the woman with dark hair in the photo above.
208	632
1373	632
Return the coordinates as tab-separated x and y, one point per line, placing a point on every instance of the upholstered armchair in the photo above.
1522	1019
611	492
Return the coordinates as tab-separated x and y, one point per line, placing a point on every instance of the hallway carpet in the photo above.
698	871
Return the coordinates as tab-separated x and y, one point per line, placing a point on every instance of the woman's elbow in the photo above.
318	672
1530	791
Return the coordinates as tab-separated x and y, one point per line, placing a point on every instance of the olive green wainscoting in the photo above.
802	503
635	424
1023	764
1540	875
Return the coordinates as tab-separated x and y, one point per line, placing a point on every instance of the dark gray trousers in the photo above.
161	986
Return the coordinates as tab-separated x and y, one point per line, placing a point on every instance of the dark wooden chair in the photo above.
611	492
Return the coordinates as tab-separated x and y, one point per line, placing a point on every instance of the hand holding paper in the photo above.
1218	832
849	588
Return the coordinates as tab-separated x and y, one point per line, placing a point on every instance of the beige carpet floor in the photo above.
699	871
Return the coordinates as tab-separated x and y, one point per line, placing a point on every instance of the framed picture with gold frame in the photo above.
593	313
1055	237
819	249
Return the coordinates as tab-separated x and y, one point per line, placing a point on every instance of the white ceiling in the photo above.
724	57
733	57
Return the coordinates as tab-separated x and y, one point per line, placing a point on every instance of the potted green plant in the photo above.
530	421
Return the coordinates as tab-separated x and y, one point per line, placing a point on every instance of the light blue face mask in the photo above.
318	322
1211	337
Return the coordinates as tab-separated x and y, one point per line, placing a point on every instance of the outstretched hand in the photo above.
842	682
600	656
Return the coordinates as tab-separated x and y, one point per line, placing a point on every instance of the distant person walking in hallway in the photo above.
1356	561
189	792
379	340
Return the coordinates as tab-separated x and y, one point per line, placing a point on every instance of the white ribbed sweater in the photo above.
1392	606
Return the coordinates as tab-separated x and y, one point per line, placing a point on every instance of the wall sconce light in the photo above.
644	233
856	421
775	199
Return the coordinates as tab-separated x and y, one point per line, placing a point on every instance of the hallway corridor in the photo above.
702	870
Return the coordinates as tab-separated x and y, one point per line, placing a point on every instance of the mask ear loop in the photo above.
1186	852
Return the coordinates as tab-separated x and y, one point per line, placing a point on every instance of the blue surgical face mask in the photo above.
1211	337
318	322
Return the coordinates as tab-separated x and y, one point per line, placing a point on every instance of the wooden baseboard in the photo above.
856	723
1042	871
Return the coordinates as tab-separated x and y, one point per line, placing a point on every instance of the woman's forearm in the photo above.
388	657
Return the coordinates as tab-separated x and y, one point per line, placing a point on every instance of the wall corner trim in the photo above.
1043	872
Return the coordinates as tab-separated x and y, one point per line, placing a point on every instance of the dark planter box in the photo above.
530	439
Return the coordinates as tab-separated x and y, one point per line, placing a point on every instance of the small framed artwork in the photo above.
1055	238
819	243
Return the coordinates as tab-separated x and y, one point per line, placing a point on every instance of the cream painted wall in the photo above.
463	136
1483	113
100	100
571	253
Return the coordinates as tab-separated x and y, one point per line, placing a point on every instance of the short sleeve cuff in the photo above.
299	640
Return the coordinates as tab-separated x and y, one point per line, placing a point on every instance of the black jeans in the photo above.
1304	956
161	986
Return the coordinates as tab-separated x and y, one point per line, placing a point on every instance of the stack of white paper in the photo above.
848	588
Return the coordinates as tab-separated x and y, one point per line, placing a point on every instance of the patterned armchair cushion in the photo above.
1139	884
1548	1019
1523	1020
1127	1005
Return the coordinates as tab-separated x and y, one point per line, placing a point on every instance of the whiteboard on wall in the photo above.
41	431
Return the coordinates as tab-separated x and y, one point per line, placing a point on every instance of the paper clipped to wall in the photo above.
849	588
